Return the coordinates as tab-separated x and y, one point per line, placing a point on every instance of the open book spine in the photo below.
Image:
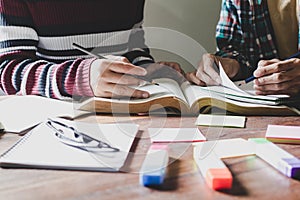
130	107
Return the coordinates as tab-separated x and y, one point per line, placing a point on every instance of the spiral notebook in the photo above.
41	148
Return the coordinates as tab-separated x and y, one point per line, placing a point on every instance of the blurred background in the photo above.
194	18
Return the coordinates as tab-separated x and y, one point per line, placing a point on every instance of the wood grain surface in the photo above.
253	178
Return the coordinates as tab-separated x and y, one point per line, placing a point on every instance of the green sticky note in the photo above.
259	140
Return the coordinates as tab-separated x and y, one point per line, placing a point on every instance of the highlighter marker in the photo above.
212	168
281	160
154	166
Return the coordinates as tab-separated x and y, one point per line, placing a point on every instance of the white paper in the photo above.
227	148
226	80
18	113
221	120
175	135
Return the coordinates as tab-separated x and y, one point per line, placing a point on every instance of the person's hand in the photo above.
278	77
112	77
165	69
174	65
207	74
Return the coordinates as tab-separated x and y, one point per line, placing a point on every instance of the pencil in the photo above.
251	78
84	50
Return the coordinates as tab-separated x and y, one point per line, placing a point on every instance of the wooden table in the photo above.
253	178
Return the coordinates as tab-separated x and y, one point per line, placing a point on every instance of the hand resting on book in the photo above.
112	77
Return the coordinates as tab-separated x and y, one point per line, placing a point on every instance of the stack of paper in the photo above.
283	134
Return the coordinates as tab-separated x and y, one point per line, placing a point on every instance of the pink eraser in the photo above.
219	178
159	147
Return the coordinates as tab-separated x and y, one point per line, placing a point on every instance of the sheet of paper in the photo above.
283	134
221	120
19	113
169	135
227	148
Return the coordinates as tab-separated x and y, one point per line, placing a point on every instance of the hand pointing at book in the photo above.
112	77
278	77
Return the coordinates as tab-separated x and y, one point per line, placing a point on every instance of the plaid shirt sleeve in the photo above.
244	32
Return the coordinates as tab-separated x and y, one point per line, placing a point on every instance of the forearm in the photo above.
30	76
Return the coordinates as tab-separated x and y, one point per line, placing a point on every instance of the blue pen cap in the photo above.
290	167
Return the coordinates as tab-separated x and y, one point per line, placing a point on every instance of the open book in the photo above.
44	148
189	99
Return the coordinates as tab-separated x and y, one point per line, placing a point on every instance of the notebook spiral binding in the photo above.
18	143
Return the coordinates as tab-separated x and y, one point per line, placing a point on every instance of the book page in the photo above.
227	83
166	88
193	93
243	89
229	90
249	88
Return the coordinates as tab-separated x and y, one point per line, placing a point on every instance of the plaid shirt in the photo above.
245	33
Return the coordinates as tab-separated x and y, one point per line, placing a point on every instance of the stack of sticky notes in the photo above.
283	134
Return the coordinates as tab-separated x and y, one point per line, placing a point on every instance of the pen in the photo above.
84	50
251	78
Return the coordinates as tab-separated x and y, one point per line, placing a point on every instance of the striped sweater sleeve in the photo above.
22	72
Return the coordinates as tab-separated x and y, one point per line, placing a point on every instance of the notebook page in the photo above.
42	149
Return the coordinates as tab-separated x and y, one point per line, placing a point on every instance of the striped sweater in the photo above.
36	36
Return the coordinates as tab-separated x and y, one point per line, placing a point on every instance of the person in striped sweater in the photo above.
37	56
